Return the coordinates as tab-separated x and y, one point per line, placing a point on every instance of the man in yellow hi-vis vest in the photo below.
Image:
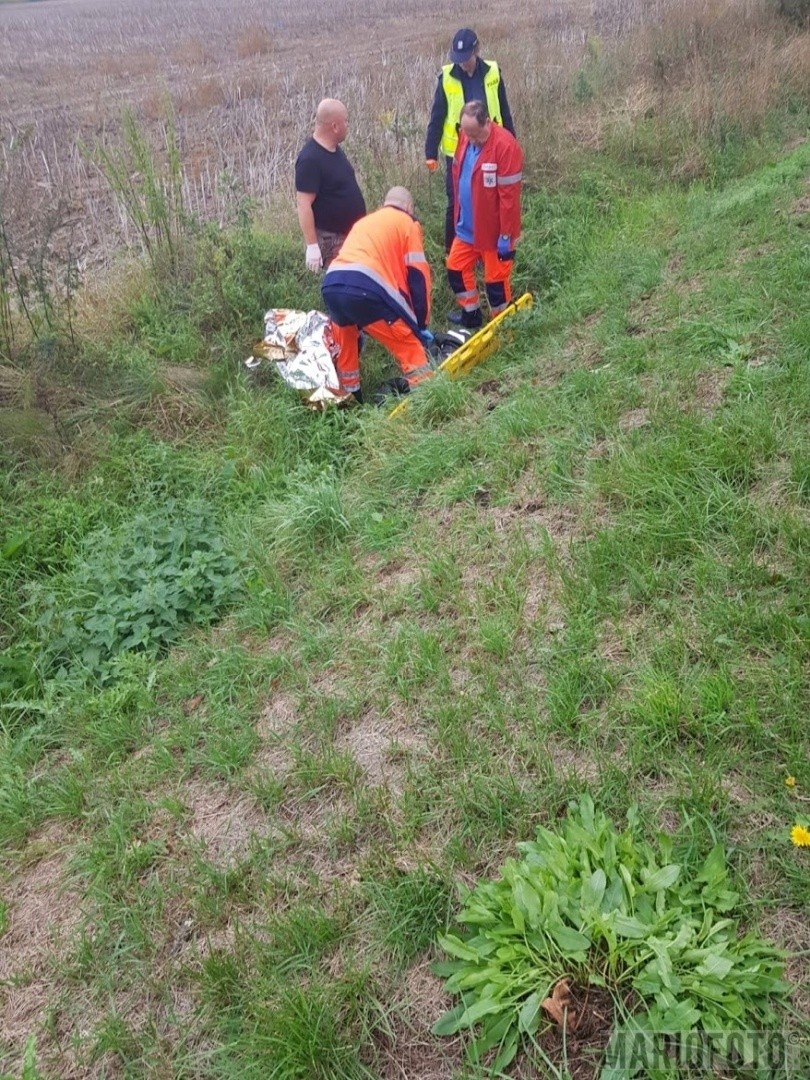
466	78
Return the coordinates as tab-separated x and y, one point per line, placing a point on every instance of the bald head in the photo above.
331	122
401	198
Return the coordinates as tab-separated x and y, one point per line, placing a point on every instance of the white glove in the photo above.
314	259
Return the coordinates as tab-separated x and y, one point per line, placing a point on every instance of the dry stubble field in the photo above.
243	80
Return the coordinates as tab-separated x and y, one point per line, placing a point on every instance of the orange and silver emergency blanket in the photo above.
303	348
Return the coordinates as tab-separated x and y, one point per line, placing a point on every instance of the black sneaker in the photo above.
472	320
394	388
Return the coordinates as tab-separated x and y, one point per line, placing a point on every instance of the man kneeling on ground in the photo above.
380	283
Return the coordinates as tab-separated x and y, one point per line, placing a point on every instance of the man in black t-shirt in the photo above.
327	194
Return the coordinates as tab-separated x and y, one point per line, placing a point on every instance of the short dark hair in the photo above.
477	110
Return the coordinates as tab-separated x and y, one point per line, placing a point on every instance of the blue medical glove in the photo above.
505	250
426	336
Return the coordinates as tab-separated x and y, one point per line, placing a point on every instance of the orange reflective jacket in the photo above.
384	255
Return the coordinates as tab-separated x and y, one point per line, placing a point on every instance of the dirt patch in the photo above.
381	746
183	377
736	790
325	847
633	419
274	727
687	287
44	910
410	1051
542	596
773	488
279	716
659	792
613	646
579	1048
801	207
787	929
397	576
675	263
570	760
223	821
710	386
562	521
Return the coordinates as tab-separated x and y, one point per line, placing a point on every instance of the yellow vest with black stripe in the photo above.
454	95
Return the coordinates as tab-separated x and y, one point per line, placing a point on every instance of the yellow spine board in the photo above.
481	345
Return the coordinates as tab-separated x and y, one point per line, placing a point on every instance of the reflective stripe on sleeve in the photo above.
515	178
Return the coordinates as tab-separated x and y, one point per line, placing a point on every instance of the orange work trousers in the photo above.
461	264
397	337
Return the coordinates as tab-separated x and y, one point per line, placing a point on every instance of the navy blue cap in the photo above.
463	45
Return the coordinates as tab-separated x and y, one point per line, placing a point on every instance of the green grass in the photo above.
581	569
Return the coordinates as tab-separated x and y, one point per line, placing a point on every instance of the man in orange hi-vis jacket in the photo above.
487	178
380	283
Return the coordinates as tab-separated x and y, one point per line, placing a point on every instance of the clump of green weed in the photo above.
590	909
134	588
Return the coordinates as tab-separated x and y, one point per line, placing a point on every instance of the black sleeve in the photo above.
307	175
419	298
506	114
438	114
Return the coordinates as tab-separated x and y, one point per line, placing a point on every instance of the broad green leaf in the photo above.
507	1053
614	895
518	918
628	880
13	546
482	1007
571	942
529	1017
629	927
593	889
494	1030
527	900
713	870
664	878
680	1017
445	968
717	966
453	945
586	813
721	924
449	1023
466	979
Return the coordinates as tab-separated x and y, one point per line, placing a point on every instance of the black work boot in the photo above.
472	320
394	388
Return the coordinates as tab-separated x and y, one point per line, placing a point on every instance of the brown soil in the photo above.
585	1041
44	911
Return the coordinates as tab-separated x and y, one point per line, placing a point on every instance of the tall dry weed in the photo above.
194	52
254	41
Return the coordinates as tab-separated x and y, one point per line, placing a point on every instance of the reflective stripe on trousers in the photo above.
397	337
461	264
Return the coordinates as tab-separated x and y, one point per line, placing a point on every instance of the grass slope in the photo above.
585	568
